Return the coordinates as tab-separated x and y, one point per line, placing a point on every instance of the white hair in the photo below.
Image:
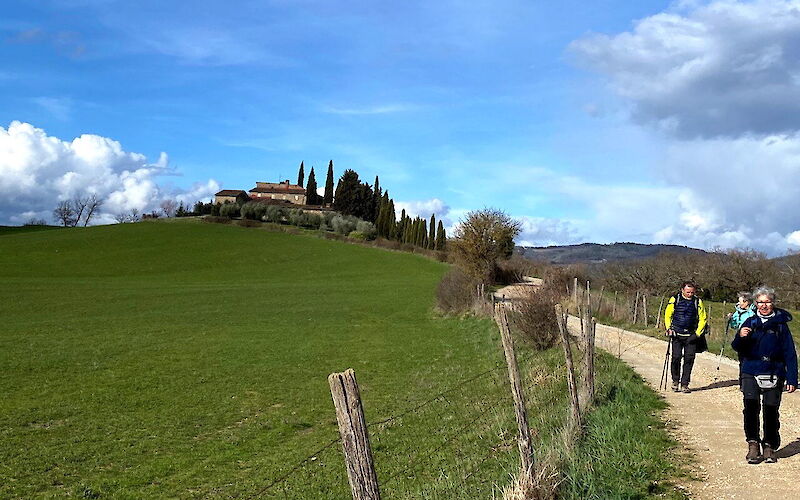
764	290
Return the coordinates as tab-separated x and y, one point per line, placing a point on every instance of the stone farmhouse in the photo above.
282	191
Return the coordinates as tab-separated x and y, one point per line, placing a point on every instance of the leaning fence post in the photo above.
355	439
660	307
571	383
591	334
524	432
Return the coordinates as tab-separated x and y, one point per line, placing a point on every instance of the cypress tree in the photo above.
441	237
311	189
392	220
328	197
301	174
348	194
432	234
423	230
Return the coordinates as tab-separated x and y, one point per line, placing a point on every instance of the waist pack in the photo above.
767	381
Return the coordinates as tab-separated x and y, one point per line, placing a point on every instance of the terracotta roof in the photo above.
230	192
279	188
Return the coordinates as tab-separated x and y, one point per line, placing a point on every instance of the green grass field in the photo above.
182	359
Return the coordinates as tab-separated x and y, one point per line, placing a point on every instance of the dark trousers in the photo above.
683	348
753	395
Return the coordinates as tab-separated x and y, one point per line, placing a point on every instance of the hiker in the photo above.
685	322
744	309
768	361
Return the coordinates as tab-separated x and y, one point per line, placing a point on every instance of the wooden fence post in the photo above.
524	433
636	307
571	384
600	298
644	307
355	439
575	291
590	363
614	307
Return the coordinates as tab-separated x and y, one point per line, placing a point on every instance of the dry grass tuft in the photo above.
540	484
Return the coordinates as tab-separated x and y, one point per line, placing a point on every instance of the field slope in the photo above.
186	359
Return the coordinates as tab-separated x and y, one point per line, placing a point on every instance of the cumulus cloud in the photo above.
424	209
726	68
542	232
719	82
38	170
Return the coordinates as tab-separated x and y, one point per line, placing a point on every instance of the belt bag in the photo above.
767	381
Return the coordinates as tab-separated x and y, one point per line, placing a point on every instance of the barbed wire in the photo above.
377	427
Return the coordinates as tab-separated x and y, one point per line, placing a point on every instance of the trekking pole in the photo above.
663	384
724	341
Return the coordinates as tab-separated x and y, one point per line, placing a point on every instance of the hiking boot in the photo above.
769	455
685	389
753	452
675	387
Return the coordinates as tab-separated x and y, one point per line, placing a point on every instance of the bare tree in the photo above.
79	204
64	213
169	207
92	204
132	216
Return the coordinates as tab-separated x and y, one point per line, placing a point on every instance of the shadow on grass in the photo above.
789	450
717	385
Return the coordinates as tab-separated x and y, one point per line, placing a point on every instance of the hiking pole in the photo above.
663	384
724	341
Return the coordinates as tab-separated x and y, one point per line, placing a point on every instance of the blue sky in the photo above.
531	107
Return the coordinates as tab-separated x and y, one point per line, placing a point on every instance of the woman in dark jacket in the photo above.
768	362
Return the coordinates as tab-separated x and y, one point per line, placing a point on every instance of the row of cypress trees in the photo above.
371	203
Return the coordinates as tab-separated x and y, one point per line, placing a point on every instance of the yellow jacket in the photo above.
702	316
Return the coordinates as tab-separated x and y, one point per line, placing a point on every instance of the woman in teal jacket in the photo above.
744	309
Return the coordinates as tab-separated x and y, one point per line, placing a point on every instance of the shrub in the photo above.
456	292
534	318
357	235
367	229
343	225
248	223
229	210
514	269
274	214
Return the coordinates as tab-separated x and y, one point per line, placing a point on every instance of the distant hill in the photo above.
595	253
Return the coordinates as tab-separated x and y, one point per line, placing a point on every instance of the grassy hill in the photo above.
178	356
589	253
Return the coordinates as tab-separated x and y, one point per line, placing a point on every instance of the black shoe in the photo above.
769	455
685	389
753	452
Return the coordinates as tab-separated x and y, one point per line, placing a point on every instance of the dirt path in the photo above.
709	422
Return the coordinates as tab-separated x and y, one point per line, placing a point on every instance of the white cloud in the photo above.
542	232
37	170
726	68
424	209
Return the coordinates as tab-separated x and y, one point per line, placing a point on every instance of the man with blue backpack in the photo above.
685	321
768	361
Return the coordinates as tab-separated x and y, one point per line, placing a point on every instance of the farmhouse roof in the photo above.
230	192
278	187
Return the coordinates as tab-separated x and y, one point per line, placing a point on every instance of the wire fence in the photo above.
457	443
